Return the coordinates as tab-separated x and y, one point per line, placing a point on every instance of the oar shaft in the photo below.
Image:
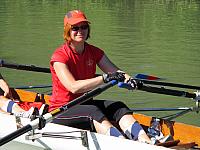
170	84
24	67
47	70
167	91
159	90
15	134
160	109
84	97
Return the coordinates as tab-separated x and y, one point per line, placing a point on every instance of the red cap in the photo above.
74	17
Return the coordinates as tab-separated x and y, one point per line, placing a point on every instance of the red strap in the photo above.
28	105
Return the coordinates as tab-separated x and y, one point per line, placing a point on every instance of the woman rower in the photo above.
73	68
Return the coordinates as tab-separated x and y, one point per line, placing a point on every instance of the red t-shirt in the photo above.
82	66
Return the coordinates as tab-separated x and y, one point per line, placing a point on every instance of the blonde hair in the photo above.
66	33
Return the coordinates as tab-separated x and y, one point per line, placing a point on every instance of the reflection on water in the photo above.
159	37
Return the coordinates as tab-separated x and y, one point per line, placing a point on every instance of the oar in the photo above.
182	111
159	90
160	109
151	79
148	79
170	84
24	67
31	67
49	116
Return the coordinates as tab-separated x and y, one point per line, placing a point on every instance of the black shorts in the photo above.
81	115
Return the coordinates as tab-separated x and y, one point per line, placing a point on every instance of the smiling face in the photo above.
79	32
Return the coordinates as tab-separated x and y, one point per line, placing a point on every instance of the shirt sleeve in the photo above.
59	56
98	53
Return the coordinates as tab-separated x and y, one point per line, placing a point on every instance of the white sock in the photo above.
25	114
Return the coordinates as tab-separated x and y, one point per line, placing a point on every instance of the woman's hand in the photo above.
134	84
119	76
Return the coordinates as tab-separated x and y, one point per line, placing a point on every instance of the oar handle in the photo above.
15	134
24	67
160	90
124	85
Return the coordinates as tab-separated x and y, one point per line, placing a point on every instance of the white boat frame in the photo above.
59	137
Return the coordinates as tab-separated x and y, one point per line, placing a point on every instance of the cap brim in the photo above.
78	20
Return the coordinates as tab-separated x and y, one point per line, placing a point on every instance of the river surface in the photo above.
156	37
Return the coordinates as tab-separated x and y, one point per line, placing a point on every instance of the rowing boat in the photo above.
53	136
59	137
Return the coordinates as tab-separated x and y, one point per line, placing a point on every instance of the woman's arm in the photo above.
81	86
106	65
75	86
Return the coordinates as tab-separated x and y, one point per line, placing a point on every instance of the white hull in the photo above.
93	140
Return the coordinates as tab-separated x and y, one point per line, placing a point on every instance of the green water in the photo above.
159	37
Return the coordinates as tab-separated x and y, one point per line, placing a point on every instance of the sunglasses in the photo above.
76	28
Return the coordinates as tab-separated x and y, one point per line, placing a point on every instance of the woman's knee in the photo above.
102	126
